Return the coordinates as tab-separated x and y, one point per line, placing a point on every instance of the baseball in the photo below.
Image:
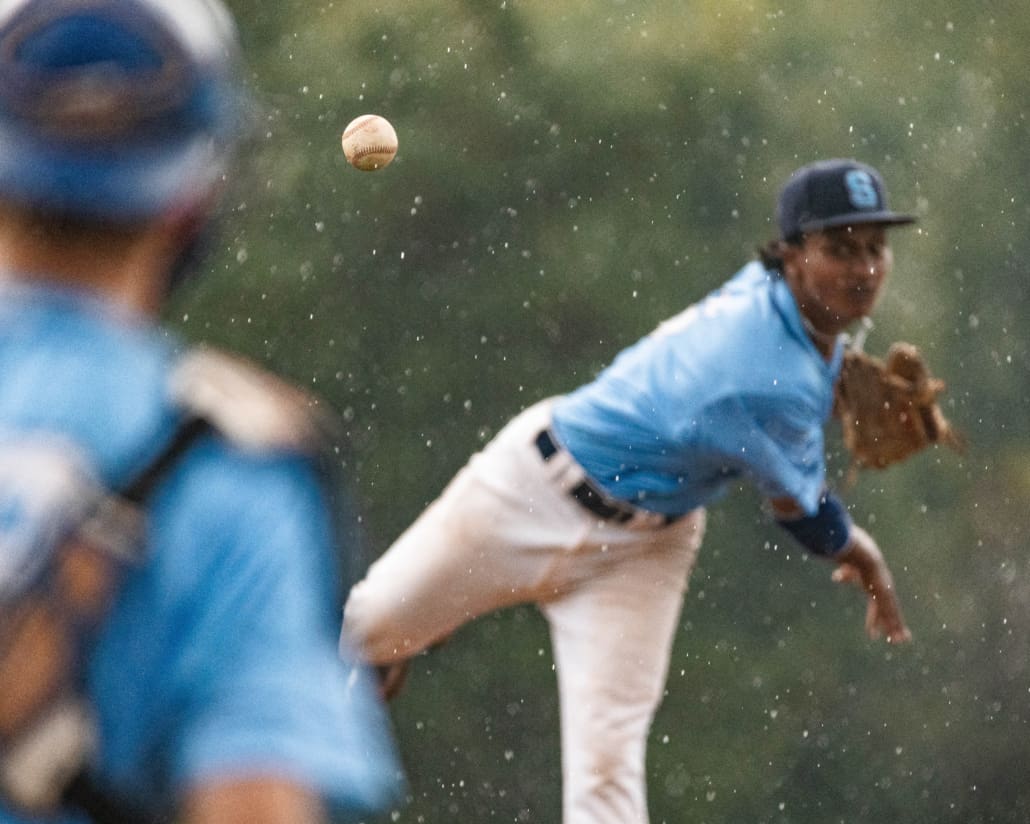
369	142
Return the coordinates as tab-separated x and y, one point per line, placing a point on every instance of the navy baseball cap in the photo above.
831	193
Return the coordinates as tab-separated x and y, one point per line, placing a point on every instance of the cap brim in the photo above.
857	218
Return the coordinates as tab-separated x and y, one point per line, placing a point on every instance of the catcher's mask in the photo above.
63	544
116	110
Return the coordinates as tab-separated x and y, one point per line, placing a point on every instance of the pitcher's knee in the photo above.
373	631
609	771
606	790
604	756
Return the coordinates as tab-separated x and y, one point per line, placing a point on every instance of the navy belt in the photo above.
586	493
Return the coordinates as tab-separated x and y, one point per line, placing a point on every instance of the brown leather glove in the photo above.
888	408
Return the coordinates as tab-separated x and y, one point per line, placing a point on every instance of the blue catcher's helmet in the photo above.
116	110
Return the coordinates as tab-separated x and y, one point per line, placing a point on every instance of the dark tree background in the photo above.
571	173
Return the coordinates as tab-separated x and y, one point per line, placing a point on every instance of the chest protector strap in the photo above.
64	542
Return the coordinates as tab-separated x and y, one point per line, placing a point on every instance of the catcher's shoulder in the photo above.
251	407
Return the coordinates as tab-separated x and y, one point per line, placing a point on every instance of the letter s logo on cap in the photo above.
861	189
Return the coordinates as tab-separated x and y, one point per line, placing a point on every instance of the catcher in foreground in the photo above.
888	408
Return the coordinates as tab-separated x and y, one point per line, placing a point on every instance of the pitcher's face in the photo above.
837	274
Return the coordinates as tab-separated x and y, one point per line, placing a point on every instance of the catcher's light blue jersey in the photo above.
219	657
730	388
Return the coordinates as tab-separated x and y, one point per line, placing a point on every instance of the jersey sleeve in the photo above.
776	443
262	689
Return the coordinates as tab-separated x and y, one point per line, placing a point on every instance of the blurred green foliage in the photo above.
569	174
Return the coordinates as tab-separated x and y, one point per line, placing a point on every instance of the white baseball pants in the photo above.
505	531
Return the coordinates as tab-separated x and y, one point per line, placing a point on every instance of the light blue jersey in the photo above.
220	655
730	388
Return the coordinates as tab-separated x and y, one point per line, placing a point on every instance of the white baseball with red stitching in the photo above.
369	142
